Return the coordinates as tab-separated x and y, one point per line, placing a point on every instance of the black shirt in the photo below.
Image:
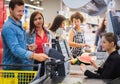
110	70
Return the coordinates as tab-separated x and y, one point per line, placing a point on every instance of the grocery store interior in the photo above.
93	12
51	8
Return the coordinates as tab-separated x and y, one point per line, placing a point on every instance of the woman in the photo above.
110	69
76	38
38	35
99	33
58	27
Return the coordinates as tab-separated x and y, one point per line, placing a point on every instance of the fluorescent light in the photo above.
37	2
40	8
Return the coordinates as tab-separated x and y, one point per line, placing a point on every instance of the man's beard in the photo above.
16	19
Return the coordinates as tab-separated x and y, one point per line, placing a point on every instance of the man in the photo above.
14	40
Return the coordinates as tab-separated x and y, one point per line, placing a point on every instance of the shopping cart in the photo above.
17	76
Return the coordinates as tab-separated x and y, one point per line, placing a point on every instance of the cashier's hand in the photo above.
83	67
93	63
40	57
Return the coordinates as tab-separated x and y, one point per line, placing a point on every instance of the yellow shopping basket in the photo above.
17	76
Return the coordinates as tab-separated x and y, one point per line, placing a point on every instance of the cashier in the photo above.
111	68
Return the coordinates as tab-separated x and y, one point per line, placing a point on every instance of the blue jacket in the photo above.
32	38
14	45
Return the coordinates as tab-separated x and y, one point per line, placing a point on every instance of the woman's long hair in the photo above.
32	25
57	22
102	27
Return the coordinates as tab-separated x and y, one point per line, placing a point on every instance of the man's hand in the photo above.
32	47
40	57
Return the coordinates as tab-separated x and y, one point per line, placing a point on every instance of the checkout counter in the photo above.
60	71
74	77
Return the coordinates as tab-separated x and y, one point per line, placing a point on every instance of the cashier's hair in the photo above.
110	37
32	25
12	3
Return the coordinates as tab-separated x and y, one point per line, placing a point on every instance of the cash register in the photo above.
60	53
58	66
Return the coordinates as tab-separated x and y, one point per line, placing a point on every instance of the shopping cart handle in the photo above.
19	65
